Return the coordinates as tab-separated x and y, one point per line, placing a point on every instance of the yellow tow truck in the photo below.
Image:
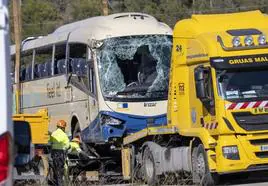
217	106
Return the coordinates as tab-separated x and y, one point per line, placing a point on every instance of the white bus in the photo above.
6	130
107	76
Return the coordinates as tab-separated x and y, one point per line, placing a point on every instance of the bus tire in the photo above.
149	167
201	173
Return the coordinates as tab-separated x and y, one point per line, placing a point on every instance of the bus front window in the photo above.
243	84
135	66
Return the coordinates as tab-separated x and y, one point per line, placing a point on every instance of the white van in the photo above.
6	131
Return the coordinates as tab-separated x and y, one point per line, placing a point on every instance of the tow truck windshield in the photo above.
243	84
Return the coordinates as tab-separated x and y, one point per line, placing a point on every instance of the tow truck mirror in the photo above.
202	76
200	83
200	90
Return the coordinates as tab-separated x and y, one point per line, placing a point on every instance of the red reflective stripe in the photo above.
211	126
232	106
245	105
256	104
202	122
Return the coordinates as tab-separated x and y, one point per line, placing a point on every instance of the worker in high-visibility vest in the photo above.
76	149
60	145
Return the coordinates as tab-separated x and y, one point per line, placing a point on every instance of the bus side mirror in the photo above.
68	80
90	62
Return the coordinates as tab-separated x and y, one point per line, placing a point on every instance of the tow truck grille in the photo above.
262	154
258	143
250	122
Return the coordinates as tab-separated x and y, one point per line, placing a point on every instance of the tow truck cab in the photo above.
219	88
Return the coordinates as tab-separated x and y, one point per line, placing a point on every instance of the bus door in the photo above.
93	102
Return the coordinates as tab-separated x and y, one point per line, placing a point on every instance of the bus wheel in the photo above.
149	167
201	173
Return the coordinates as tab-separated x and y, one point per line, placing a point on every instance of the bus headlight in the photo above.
262	40
248	40
109	120
236	41
231	152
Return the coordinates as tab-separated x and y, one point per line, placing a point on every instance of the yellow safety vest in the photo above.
59	140
75	148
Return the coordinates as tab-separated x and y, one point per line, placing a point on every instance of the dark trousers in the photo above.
58	157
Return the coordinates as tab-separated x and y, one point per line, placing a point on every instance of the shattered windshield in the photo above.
135	66
250	84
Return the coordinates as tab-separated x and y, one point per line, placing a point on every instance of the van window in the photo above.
22	140
42	62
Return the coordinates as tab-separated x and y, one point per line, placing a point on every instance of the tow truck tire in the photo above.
149	167
201	173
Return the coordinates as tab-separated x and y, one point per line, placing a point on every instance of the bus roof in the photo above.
102	27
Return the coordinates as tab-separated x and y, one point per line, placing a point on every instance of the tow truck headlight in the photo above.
236	41
109	120
248	40
262	40
231	152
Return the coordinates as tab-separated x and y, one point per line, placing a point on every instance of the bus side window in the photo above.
92	80
61	67
42	56
77	58
22	74
78	62
48	68
28	73
26	61
12	73
59	60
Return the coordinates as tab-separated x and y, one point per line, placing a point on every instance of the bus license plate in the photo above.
264	147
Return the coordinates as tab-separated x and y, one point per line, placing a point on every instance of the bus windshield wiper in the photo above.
138	91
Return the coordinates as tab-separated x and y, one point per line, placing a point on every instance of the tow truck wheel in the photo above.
201	173
149	167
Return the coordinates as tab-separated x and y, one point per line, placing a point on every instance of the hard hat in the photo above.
61	123
76	139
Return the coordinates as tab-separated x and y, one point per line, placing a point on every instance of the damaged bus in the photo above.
107	76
